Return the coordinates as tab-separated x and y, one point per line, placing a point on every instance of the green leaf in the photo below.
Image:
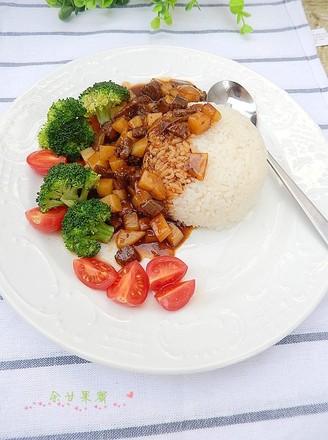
158	8
168	19
65	12
246	29
53	3
191	4
156	23
246	14
91	4
79	3
236	6
105	3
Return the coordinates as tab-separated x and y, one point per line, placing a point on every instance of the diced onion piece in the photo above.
212	112
105	186
113	202
121	124
86	153
139	198
131	221
160	227
197	165
128	238
144	223
199	123
175	237
189	92
139	147
106	151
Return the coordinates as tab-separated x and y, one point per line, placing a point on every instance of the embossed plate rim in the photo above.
233	318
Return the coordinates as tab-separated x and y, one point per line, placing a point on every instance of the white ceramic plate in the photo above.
256	282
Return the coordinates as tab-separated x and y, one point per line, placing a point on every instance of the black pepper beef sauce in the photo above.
170	98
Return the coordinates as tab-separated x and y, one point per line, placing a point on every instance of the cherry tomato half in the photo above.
165	269
41	161
175	295
131	285
49	221
94	273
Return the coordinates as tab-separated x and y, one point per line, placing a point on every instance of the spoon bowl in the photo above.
234	95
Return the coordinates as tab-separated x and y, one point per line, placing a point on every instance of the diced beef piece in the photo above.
153	90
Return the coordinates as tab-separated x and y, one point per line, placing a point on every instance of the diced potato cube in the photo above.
152	183
116	163
139	147
136	122
199	122
106	151
86	153
128	238
175	237
105	186
95	160
131	221
121	124
152	117
198	165
160	227
212	112
158	192
121	193
147	180
113	202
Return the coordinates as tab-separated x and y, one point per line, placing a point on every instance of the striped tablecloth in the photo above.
47	393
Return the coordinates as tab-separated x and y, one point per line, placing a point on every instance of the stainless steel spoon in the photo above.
236	96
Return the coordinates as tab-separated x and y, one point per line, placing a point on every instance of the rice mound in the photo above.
235	174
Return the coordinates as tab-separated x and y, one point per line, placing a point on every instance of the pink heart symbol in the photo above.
130	394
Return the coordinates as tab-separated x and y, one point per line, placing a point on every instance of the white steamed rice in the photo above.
236	171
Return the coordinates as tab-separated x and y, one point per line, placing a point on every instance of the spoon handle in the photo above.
315	216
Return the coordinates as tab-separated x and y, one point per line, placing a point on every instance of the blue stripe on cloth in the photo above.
72	360
188	425
238	60
147	5
150	32
54	361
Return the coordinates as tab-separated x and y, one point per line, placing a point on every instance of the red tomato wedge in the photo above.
41	161
175	295
163	270
131	285
49	221
94	273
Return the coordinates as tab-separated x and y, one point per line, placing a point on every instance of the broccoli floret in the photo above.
65	184
103	99
84	227
67	131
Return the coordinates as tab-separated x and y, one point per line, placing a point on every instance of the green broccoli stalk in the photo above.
103	99
67	131
84	227
66	184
